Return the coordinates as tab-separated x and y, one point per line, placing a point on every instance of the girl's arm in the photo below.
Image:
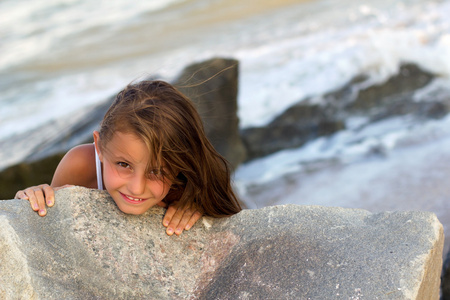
75	168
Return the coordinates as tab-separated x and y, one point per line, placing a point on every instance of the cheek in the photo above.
160	189
110	177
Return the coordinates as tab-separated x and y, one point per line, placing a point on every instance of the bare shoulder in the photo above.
77	167
82	154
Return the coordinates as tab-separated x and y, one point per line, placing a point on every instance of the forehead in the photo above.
128	146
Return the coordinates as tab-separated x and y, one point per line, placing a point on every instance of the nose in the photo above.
136	185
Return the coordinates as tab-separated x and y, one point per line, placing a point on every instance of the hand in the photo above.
39	196
178	219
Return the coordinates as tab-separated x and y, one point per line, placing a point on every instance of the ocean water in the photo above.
62	56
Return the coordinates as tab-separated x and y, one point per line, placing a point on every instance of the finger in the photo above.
49	195
21	195
184	221
38	193
173	225
32	198
194	218
171	210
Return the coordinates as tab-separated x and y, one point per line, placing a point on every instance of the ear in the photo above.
96	135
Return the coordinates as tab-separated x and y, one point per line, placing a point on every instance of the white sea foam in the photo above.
31	30
344	147
279	73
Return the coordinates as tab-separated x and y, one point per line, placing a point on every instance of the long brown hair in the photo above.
171	127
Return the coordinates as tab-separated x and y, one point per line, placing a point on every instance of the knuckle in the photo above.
198	214
37	190
176	219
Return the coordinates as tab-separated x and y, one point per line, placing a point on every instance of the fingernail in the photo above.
35	206
170	231
50	202
166	223
177	231
188	226
42	212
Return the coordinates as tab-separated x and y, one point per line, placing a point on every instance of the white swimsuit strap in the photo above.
98	168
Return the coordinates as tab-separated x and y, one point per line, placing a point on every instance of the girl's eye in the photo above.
123	164
155	173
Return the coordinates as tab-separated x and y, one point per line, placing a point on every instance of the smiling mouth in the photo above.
133	200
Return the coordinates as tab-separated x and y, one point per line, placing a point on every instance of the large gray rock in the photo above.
87	249
213	86
297	125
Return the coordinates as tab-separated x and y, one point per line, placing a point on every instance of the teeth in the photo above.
134	199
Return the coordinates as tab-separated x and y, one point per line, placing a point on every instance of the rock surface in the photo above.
213	86
87	249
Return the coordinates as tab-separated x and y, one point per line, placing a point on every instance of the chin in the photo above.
131	210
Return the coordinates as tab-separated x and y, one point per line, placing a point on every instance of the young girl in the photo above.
150	149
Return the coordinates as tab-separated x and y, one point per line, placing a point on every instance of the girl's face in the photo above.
125	174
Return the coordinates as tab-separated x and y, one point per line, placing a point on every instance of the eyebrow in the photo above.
115	157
